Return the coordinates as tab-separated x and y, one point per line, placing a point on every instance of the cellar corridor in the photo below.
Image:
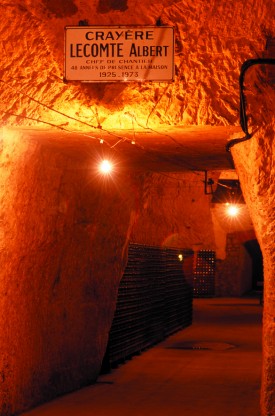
213	367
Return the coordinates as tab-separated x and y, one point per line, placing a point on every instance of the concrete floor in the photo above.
212	368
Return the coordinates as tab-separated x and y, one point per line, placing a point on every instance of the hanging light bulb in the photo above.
105	167
232	210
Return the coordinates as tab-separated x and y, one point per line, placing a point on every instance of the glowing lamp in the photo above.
232	210
105	167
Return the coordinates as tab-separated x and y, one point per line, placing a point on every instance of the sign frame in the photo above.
132	53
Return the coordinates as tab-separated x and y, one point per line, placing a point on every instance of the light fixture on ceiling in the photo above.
180	257
232	210
228	191
208	183
105	167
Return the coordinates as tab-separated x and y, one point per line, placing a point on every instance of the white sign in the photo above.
119	53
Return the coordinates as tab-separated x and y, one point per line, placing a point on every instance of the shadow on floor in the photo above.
219	377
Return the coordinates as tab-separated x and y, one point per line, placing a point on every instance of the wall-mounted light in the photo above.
228	191
105	167
232	210
180	257
208	184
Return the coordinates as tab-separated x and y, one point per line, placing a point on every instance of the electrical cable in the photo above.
33	119
191	166
194	169
121	138
84	134
61	113
39	120
243	117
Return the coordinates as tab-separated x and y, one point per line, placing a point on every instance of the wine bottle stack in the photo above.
154	300
204	274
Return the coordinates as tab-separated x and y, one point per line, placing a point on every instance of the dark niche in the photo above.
105	6
59	8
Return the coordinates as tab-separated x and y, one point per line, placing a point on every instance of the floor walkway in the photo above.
212	368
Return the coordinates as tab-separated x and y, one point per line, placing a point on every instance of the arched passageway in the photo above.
254	250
